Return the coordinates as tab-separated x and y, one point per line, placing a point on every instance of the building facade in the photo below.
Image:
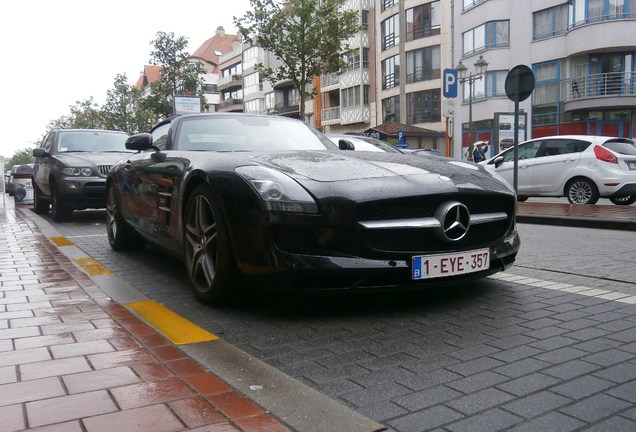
581	53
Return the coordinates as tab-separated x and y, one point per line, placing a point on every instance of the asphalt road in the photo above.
548	345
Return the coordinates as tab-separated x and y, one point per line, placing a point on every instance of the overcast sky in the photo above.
55	53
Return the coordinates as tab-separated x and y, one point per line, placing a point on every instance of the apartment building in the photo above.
580	51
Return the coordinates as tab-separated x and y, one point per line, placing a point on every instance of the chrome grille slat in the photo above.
103	169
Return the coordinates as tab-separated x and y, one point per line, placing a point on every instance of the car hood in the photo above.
79	159
391	169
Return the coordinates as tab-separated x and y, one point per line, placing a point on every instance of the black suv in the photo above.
70	169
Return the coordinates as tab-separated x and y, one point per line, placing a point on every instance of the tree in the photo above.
179	76
124	109
20	157
307	37
83	115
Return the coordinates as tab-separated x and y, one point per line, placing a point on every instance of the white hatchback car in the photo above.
580	167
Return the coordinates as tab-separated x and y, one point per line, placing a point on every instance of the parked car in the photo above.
362	143
70	169
579	167
10	174
506	143
270	202
424	152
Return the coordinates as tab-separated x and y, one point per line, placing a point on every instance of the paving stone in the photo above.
595	408
479	401
536	404
550	422
620	373
429	379
528	384
588	333
429	419
493	420
382	411
626	336
613	424
561	355
427	398
479	350
609	357
626	392
571	369
383	392
475	366
522	367
477	382
512	341
582	387
517	353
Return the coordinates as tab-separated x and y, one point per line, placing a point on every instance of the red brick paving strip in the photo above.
72	360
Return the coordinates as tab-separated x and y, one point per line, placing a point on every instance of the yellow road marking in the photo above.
61	241
173	326
92	267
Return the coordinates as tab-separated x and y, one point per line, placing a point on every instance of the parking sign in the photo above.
450	83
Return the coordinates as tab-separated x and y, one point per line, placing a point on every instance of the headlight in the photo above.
76	172
278	191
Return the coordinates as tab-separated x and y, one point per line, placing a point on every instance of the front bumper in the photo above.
308	273
80	193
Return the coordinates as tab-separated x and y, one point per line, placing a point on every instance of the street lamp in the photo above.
480	69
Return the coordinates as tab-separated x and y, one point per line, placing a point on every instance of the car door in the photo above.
42	166
556	159
527	153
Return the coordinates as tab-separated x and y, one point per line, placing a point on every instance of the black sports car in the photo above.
270	202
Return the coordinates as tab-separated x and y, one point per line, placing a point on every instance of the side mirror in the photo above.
498	161
345	144
141	141
40	153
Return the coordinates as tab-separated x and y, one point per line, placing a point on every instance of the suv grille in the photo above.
103	169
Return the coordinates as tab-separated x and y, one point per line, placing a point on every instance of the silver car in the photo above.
580	167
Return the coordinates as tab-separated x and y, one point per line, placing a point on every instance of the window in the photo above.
550	22
251	57
364	19
235	69
252	84
254	106
423	106
492	84
387	4
494	34
423	21
472	3
390	32
391	109
546	95
423	64
391	72
350	97
352	59
589	11
209	88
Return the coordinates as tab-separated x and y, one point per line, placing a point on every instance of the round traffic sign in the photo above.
519	83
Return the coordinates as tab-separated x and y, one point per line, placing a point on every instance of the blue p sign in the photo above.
450	83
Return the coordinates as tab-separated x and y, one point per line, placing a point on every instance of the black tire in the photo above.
120	236
625	200
40	205
522	198
581	191
60	213
208	254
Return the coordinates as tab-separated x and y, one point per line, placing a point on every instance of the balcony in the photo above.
330	82
331	116
231	105
230	82
605	89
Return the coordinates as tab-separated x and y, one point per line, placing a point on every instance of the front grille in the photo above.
103	169
425	239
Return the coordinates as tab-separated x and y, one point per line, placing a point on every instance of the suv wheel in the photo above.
40	205
581	191
60	213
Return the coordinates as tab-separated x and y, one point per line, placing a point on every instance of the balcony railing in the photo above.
230	102
331	114
599	85
329	80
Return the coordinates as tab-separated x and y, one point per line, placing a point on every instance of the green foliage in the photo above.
307	37
124	108
178	75
20	157
83	115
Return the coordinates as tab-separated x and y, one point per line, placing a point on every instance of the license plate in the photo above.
631	165
452	264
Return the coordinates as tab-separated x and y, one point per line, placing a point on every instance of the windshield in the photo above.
91	141
248	133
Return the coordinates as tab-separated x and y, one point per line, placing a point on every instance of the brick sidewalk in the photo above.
71	359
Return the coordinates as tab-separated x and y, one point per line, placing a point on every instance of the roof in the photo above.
392	129
150	76
219	43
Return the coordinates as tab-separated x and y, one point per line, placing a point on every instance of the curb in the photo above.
579	222
296	404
